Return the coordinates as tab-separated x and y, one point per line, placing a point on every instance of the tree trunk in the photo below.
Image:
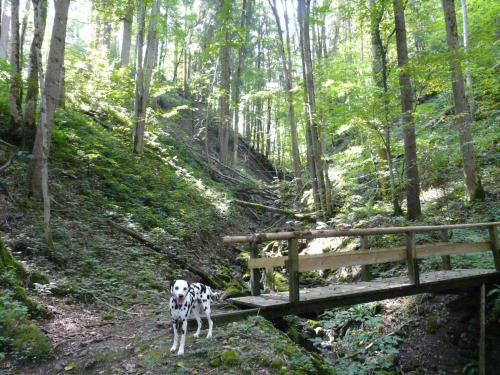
4	35
410	142
244	19
143	81
15	76
225	82
463	117
50	89
468	76
29	129
379	71
24	24
309	96
286	62
127	34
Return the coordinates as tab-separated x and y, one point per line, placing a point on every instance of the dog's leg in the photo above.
176	337
206	307
183	337
196	313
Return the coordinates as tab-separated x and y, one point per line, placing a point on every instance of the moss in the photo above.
431	324
236	289
31	343
229	358
13	275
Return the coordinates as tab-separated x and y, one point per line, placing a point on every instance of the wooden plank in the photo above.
443	234
292	266
446	248
469	279
268	262
494	246
351	258
255	273
411	258
365	269
325	233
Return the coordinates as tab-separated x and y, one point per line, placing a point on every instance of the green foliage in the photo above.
18	334
360	340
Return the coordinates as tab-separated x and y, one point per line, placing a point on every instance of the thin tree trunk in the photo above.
139	75
24	24
379	71
225	83
244	19
468	75
127	34
15	76
286	62
410	142
4	35
29	117
309	95
463	117
50	88
145	82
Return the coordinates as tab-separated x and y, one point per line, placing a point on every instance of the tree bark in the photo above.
15	76
379	71
410	142
286	62
143	81
244	19
309	96
50	90
463	117
468	75
127	34
24	24
225	82
4	35
29	117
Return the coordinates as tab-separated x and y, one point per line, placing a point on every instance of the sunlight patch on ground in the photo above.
324	245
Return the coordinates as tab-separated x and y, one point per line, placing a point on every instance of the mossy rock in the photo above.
236	289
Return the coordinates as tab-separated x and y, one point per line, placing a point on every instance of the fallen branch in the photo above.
6	165
206	278
288	213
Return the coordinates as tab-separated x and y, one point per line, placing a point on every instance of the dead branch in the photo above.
206	278
7	164
289	213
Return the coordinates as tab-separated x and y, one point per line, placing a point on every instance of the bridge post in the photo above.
494	246
292	266
366	269
443	234
255	273
411	257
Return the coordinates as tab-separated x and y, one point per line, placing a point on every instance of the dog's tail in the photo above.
214	295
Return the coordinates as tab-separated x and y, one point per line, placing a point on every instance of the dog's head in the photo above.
179	290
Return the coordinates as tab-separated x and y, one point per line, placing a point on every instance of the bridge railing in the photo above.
411	252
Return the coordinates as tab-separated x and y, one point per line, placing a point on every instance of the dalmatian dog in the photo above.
186	299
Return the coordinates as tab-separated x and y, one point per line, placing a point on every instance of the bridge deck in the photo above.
358	292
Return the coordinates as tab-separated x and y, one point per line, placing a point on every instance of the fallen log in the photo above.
288	213
206	278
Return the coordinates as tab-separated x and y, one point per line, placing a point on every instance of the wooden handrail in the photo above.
370	256
324	233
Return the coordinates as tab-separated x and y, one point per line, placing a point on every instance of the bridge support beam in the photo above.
494	246
255	273
292	266
443	234
365	269
482	329
411	257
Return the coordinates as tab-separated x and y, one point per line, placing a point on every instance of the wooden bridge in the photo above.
316	299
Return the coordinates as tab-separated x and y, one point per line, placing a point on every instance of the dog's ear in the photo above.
172	286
